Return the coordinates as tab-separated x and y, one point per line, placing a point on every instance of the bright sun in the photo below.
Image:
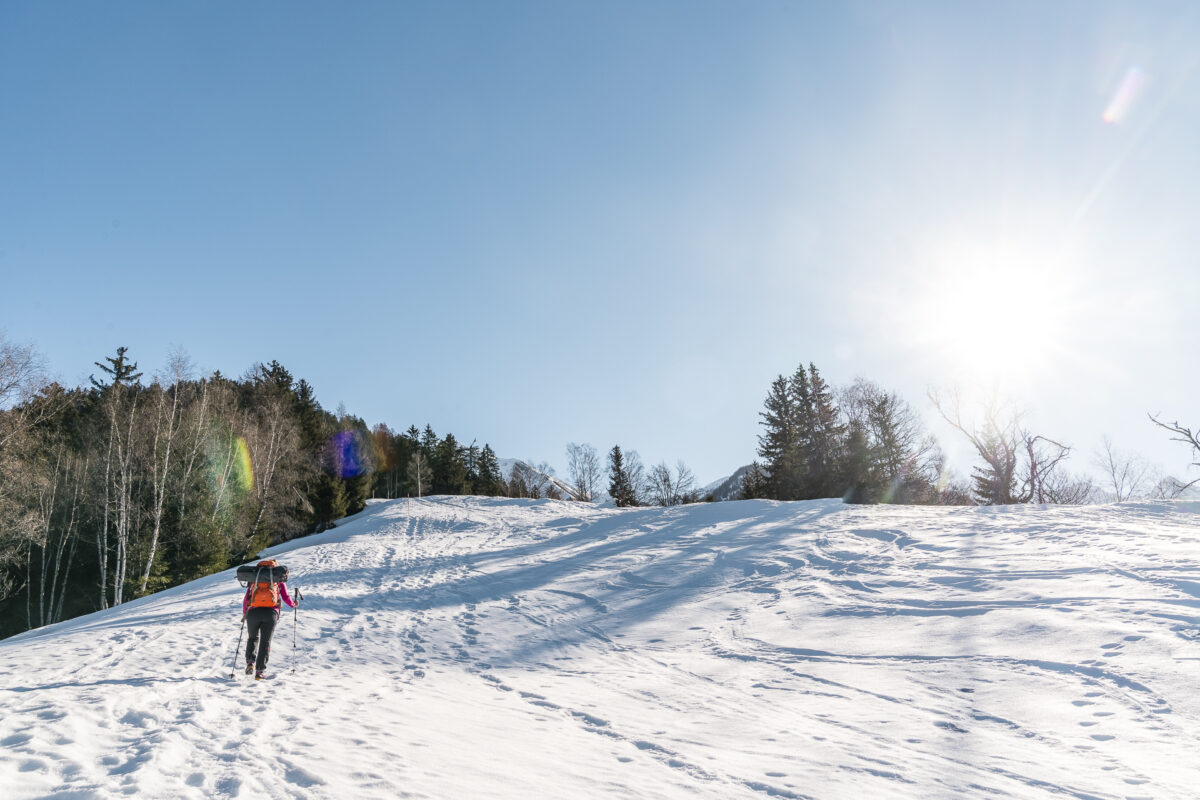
993	311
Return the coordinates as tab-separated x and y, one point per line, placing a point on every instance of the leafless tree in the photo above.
1185	435
418	471
583	466
667	489
637	476
997	440
1000	441
22	378
1126	475
1044	480
1169	488
273	443
904	456
167	410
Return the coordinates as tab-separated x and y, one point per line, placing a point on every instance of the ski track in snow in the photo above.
463	647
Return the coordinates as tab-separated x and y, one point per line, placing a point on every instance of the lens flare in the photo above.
229	469
348	454
381	454
243	469
1126	95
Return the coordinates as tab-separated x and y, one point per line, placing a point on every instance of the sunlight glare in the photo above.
993	311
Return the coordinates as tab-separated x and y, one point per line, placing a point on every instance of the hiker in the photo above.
260	611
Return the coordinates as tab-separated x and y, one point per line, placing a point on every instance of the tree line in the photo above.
130	484
868	445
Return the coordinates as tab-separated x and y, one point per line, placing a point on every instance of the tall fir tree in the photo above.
490	480
801	480
620	487
825	439
777	443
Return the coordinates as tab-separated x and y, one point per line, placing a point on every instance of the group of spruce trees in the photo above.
860	443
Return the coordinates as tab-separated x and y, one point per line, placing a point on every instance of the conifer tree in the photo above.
860	474
449	468
429	441
755	483
490	479
620	488
777	444
802	477
825	438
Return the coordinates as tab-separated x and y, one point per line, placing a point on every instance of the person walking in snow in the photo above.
260	611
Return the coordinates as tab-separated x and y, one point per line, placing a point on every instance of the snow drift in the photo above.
466	647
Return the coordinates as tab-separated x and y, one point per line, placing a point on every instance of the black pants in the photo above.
259	620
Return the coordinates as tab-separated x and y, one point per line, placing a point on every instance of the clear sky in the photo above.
535	223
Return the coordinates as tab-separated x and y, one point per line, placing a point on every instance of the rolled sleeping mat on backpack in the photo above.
252	573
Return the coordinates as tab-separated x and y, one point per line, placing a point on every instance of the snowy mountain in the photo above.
467	647
727	488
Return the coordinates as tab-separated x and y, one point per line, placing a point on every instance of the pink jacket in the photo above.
283	595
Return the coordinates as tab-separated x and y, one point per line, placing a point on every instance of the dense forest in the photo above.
130	485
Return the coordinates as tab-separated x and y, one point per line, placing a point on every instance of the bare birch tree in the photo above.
583	467
167	411
418	471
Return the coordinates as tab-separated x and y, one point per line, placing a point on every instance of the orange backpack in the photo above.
264	595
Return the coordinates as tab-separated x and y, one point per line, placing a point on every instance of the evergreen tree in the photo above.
120	371
801	479
276	376
470	458
413	436
825	439
620	488
755	483
490	480
777	444
859	472
449	468
429	442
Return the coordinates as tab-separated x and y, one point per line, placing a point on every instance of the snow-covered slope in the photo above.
465	648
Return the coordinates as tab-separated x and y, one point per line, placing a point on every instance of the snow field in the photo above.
468	647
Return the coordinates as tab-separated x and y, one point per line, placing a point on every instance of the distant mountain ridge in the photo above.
727	488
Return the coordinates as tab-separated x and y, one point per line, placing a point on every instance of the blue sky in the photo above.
535	223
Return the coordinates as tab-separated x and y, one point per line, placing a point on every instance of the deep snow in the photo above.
466	647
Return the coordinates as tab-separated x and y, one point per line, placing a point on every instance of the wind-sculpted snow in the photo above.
467	648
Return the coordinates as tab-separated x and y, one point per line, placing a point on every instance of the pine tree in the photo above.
429	441
619	485
802	479
860	475
449	468
825	439
490	479
777	444
120	370
755	483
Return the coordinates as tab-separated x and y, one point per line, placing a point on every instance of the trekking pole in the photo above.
237	647
299	597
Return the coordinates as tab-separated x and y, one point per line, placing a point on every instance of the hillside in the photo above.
467	647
